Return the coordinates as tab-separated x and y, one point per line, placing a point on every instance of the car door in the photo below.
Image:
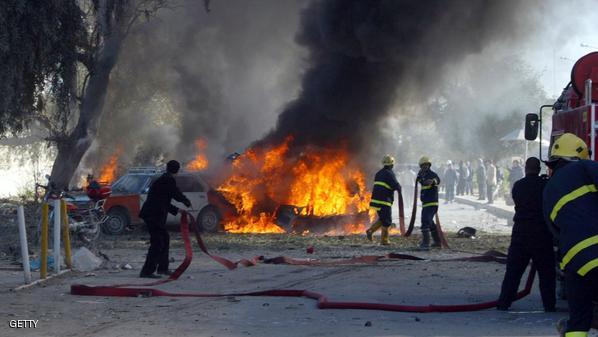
192	188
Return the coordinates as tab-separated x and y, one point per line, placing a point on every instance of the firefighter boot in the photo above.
561	326
425	244
436	238
384	236
375	226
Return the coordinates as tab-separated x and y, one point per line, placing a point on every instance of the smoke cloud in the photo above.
220	75
387	76
366	57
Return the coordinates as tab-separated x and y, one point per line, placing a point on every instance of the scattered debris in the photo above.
104	256
85	260
466	232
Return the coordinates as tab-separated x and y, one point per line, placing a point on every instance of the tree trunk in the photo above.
72	149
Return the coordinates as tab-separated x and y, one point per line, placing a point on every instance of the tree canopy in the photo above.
39	43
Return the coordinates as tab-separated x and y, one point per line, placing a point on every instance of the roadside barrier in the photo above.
43	269
60	224
23	242
144	290
66	236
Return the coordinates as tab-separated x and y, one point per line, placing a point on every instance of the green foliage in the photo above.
39	41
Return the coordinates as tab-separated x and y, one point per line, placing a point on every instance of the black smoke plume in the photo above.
365	56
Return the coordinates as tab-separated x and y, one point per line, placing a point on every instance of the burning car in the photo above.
275	190
130	191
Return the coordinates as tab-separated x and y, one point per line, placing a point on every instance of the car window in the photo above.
188	184
130	184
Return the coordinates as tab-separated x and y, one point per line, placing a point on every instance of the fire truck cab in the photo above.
575	109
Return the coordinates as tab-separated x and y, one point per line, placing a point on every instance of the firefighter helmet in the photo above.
388	160
424	160
569	147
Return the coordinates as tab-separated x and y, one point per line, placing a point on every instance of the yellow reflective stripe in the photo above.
380	202
427	187
593	240
570	197
587	267
375	208
576	334
430	204
383	184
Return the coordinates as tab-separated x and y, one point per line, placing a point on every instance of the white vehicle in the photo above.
129	193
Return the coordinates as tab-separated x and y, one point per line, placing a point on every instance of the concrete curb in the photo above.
492	209
40	281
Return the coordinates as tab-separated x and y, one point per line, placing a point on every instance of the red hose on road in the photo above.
143	290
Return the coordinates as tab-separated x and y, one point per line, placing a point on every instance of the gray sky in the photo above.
553	52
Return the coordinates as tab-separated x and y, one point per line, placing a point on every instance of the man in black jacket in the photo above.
154	213
531	239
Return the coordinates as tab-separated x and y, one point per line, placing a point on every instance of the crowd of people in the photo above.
481	178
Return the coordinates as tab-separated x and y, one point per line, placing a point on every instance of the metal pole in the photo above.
66	236
56	246
43	263
593	131
589	99
24	247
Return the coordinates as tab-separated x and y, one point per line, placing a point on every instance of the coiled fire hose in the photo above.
146	290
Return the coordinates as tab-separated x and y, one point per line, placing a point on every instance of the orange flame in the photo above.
108	171
201	161
321	182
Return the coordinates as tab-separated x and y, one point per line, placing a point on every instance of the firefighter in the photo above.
429	198
571	210
385	184
154	213
530	240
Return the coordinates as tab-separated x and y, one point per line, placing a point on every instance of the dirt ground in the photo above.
394	282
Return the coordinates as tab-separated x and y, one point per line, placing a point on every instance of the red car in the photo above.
130	191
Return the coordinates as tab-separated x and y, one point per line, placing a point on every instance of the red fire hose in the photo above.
401	214
443	240
144	290
413	211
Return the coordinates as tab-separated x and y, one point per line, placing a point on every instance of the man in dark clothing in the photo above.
154	213
570	200
385	184
429	181
530	240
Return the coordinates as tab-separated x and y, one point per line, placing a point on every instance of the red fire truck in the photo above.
575	110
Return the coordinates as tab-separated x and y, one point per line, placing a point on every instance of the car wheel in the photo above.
209	220
116	222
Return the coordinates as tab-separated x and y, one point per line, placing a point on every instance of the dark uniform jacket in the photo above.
529	219
429	194
385	183
571	209
157	206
